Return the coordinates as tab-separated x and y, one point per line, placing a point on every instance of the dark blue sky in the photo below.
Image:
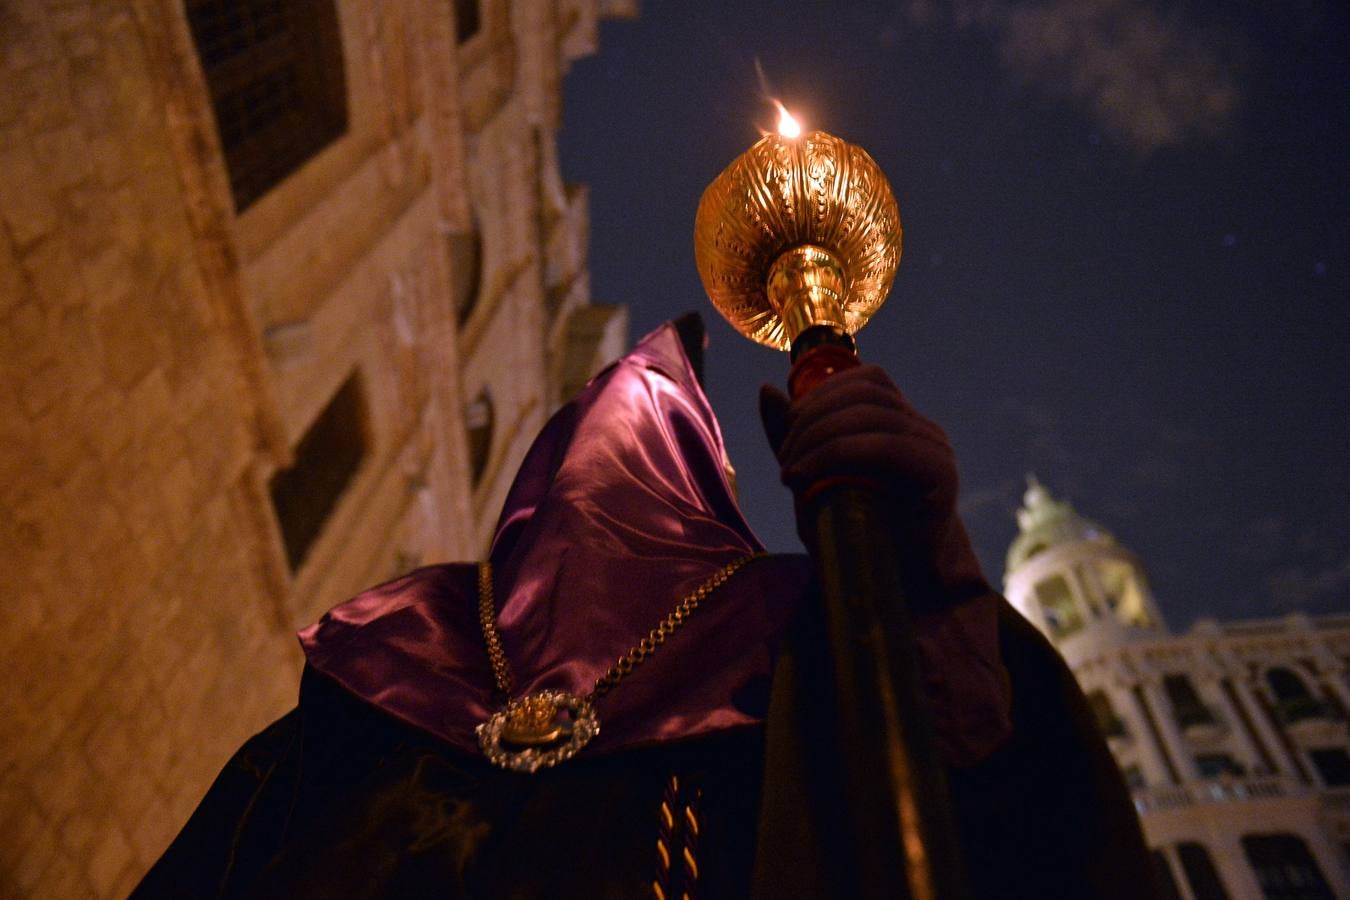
1124	261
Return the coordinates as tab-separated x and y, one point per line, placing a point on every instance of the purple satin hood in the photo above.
620	509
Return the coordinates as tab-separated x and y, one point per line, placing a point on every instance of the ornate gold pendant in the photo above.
538	731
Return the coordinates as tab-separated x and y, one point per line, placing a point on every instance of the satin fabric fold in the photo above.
620	509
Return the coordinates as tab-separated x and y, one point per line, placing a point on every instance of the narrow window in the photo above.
1186	703
1200	872
479	421
275	74
467	19
1293	701
1333	765
1285	868
326	459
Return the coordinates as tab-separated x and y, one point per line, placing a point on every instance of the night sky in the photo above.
1125	254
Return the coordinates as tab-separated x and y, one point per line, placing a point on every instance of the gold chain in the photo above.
501	669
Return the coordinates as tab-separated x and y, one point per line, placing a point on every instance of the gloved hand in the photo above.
856	427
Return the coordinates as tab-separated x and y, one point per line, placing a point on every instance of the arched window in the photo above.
1187	706
1058	606
275	74
1285	868
1200	872
479	422
1293	701
326	460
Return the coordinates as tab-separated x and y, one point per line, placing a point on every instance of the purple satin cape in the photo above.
620	509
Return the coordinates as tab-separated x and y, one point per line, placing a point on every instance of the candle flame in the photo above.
787	126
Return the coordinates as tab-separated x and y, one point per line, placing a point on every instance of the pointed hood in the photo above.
620	509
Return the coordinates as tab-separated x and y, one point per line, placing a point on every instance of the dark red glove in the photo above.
856	427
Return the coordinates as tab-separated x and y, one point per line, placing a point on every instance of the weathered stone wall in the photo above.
160	357
140	640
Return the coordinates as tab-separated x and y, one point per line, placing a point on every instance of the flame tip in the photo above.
788	127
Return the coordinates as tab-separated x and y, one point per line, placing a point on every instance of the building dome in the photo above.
1072	579
1044	522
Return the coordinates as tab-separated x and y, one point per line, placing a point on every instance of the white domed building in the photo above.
1232	737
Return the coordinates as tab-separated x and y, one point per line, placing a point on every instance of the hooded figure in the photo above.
379	783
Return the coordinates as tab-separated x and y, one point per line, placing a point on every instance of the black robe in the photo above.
338	799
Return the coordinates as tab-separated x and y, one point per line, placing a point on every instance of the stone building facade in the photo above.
287	287
1233	736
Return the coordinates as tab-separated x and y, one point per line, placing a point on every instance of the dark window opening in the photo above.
275	74
1186	703
1163	881
1215	765
1134	778
326	459
479	421
1107	720
1293	701
1200	872
1285	868
1333	765
1058	606
467	19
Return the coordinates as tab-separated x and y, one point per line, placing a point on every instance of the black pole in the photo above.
903	835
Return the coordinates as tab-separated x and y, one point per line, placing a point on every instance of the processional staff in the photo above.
797	243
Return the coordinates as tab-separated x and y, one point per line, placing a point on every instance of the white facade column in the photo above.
1334	680
1250	751
1174	742
1328	857
1225	848
1151	761
1274	744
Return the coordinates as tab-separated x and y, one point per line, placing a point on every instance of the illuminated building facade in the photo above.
287	287
1233	736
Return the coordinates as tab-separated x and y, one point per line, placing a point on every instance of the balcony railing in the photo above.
1224	790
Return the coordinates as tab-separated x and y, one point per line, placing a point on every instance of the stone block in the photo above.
155	830
60	431
25	204
27	44
130	344
66	879
47	103
53	272
112	161
42	387
61	781
108	427
93	96
108	747
14	286
30	873
78	832
179	489
64	155
110	276
108	859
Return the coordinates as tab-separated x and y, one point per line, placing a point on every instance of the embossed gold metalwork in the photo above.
548	727
790	223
